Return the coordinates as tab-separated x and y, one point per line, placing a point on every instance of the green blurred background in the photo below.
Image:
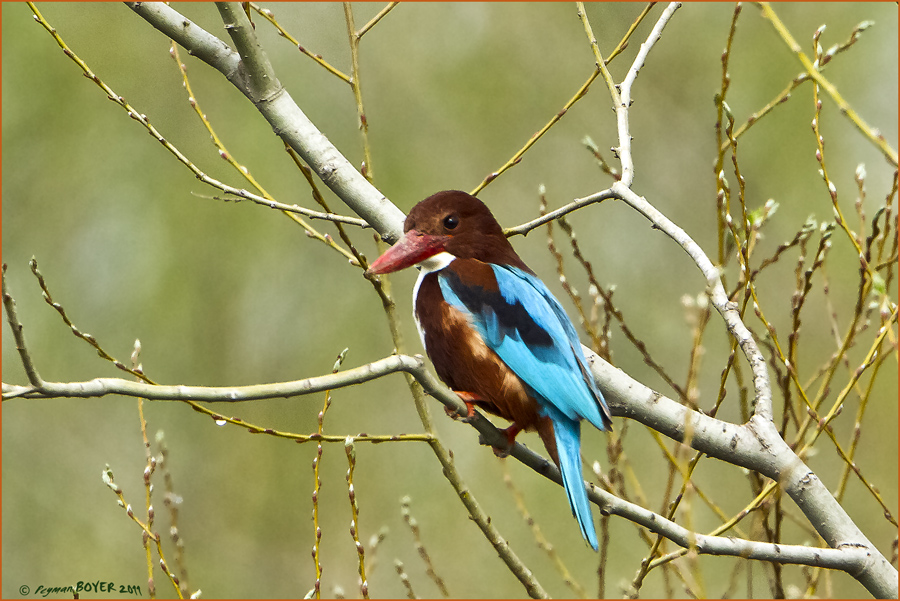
234	294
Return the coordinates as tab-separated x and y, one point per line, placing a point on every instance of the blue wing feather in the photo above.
530	332
525	325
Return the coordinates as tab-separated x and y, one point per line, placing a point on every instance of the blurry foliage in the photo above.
233	293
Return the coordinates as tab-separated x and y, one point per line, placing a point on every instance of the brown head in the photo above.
453	222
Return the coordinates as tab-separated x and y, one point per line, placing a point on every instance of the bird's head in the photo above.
451	222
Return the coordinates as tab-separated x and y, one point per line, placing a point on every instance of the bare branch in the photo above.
280	206
553	215
17	329
727	309
258	79
814	72
100	387
285	117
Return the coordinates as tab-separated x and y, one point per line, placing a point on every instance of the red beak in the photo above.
411	249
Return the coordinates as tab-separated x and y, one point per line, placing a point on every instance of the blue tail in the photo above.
568	447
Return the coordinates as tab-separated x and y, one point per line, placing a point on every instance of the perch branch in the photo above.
743	445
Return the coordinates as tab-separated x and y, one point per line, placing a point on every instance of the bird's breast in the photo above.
464	361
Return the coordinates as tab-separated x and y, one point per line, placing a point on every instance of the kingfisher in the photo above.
496	335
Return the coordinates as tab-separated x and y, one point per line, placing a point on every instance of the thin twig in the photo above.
110	482
381	14
270	17
875	136
17	328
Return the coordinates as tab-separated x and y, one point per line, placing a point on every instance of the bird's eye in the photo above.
451	221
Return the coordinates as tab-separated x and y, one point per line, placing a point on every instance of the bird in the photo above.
495	333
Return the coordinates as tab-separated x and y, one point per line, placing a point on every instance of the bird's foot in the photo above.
502	454
511	432
469	399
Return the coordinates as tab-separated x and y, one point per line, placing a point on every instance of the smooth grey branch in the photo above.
755	445
99	387
848	559
256	74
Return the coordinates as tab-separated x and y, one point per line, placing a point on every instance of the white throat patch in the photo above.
436	263
429	265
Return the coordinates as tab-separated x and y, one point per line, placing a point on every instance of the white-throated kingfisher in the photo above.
495	333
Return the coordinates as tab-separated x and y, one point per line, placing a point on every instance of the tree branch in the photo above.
281	112
257	76
761	447
17	330
100	387
560	212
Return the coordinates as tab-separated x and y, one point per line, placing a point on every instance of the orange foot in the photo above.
511	432
469	399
